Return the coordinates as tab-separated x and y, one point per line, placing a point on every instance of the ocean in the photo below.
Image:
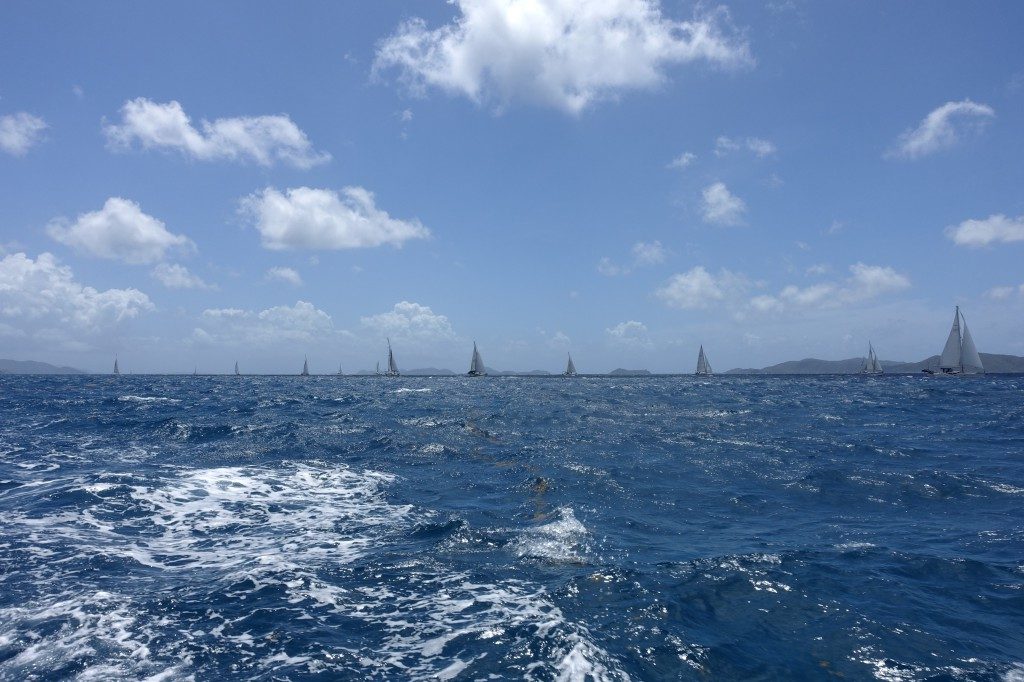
655	528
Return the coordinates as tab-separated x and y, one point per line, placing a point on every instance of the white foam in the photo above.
563	540
237	531
413	390
147	399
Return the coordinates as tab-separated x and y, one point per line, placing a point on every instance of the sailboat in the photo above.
960	355
340	372
871	364
378	369
476	365
117	370
305	367
392	365
703	366
195	370
237	373
570	368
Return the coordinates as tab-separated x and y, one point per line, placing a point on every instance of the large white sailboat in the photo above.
570	368
960	355
237	373
392	365
476	365
871	363
703	366
305	367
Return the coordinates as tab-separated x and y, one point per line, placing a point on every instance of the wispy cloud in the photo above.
20	132
698	288
264	140
942	128
684	160
994	229
865	282
755	145
285	275
175	276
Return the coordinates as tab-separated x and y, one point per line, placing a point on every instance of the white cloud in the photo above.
174	276
119	230
42	299
648	253
721	206
865	282
302	322
644	254
630	334
995	228
684	160
942	128
698	288
410	321
559	340
264	140
305	218
1003	293
286	275
19	132
818	269
609	269
757	146
560	53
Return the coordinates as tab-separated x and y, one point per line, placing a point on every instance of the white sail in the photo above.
570	368
305	367
236	368
872	365
703	366
340	372
392	365
476	365
969	358
950	358
117	370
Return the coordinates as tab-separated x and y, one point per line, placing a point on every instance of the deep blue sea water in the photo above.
445	528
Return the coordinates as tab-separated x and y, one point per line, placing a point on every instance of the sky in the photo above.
190	184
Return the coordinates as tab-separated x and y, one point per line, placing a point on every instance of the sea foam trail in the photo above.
222	542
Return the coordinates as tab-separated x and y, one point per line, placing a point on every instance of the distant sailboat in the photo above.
195	370
117	370
340	372
378	369
703	366
960	355
476	365
305	367
237	373
871	364
392	365
570	367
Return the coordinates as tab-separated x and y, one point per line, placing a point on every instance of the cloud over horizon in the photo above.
50	306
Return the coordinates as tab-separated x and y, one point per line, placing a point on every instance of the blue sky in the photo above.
193	184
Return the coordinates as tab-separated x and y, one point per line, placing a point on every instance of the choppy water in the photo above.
649	528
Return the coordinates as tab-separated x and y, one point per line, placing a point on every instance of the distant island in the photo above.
33	367
619	372
994	364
